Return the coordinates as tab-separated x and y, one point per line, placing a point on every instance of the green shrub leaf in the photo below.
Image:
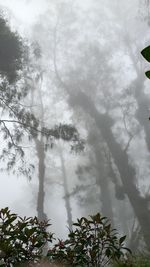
147	73
146	53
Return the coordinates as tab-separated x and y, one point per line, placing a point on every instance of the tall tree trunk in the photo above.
127	172
66	190
41	176
41	192
39	144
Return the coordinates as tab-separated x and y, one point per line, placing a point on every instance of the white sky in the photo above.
24	13
25	10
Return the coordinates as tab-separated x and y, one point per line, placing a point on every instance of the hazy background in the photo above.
88	72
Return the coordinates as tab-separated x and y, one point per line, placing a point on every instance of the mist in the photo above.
85	74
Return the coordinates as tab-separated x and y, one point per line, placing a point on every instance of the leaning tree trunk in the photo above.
127	172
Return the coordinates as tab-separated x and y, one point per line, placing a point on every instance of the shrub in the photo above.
21	239
93	243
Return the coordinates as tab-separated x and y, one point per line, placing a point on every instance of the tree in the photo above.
50	134
15	120
19	119
94	97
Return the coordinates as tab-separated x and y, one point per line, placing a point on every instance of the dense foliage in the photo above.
11	52
92	243
21	239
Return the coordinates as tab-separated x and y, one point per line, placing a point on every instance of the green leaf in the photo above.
147	73
12	219
108	252
121	240
146	53
76	224
96	218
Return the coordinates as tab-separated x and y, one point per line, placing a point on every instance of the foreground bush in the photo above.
21	239
93	243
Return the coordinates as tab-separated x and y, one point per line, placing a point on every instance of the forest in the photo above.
75	133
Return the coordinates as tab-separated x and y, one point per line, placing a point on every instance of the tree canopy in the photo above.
11	52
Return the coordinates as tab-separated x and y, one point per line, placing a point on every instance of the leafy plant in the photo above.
21	239
146	54
92	243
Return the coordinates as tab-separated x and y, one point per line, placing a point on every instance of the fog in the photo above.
84	70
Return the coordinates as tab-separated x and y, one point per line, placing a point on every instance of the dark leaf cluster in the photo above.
92	243
21	239
68	133
11	52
